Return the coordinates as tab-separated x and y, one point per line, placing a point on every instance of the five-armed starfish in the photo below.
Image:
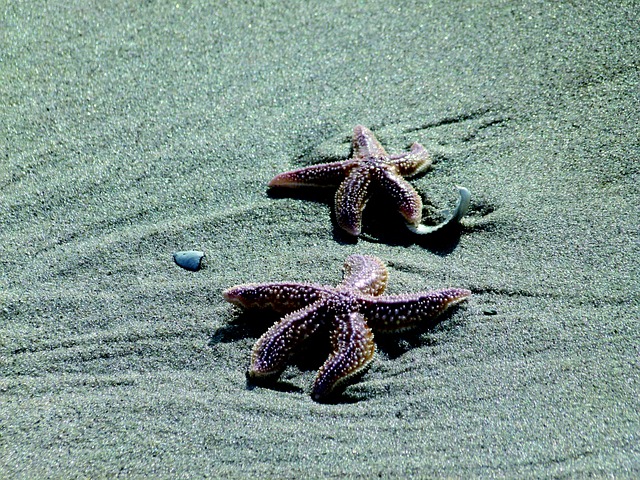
371	169
351	311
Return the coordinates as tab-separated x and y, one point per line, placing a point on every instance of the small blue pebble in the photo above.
189	260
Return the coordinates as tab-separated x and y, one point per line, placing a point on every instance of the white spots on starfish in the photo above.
370	170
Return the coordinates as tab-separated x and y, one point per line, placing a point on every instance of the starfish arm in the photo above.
323	175
353	349
401	312
365	144
410	164
403	195
351	197
282	297
366	274
272	350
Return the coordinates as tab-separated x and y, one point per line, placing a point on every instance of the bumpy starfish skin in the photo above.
351	311
370	169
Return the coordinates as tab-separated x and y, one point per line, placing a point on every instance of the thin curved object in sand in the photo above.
460	211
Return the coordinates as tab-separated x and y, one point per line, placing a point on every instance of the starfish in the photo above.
371	169
350	311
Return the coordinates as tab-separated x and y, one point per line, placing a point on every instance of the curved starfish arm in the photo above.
365	144
403	195
401	312
276	345
366	274
353	349
323	175
282	297
351	197
410	164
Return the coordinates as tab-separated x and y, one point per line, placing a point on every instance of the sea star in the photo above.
350	311
371	169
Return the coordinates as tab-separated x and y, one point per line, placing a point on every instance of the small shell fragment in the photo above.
460	211
189	260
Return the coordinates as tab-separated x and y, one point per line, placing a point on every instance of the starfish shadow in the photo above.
314	351
392	345
368	174
275	385
382	224
395	345
319	195
316	194
341	397
246	324
310	357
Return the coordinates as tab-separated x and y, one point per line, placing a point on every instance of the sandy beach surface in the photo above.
131	130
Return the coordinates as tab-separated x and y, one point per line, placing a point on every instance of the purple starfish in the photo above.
370	169
351	311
